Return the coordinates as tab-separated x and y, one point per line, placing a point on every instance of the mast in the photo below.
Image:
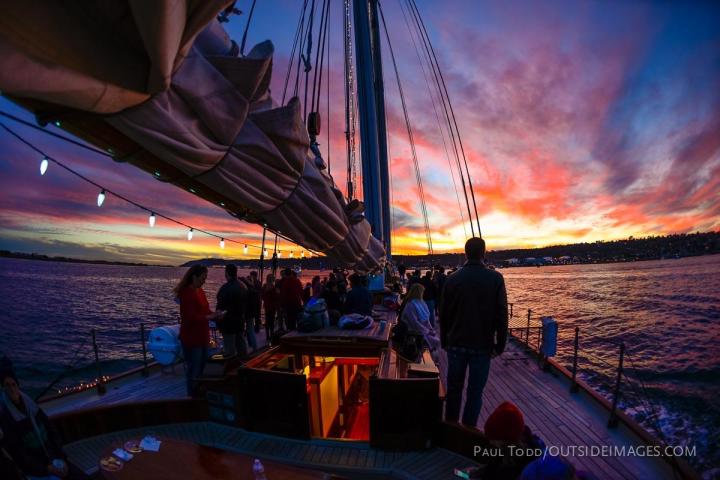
371	110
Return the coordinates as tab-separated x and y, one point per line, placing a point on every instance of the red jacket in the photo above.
291	293
194	325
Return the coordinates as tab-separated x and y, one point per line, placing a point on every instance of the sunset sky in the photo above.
581	121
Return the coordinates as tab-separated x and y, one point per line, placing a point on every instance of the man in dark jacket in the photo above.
232	298
473	327
359	299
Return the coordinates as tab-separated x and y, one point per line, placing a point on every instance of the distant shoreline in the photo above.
46	258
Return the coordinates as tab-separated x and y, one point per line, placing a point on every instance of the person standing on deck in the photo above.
473	328
254	300
195	316
232	298
291	294
270	305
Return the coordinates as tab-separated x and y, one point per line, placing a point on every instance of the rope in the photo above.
247	27
306	57
68	368
292	54
437	118
418	177
434	67
452	111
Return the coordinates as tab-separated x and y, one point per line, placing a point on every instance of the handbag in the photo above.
406	343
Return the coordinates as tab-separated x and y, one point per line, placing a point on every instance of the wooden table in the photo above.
178	460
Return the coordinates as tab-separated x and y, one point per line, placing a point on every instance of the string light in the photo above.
302	254
152	218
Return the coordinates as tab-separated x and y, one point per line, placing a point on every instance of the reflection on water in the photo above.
666	312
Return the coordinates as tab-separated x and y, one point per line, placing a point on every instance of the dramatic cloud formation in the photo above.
580	121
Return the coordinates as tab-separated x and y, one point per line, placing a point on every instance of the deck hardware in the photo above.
145	371
574	385
100	381
527	330
613	421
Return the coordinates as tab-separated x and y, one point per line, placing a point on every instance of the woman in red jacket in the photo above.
195	315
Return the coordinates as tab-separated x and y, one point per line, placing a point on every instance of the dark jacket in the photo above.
473	309
232	297
358	300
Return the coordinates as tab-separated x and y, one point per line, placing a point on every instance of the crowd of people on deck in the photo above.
462	318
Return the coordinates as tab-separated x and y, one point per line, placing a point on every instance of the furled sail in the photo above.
161	82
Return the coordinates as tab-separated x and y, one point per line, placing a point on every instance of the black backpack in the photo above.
407	344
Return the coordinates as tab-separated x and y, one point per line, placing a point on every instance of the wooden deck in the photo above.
564	419
560	418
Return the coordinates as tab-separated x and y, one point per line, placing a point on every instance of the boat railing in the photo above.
607	375
88	355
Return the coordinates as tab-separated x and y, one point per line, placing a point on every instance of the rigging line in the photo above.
307	56
327	119
302	42
291	60
418	177
247	27
437	117
350	105
126	199
433	67
56	135
452	111
322	57
319	53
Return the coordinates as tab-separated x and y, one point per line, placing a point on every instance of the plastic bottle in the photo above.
259	470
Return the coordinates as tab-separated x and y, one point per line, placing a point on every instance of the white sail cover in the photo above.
164	73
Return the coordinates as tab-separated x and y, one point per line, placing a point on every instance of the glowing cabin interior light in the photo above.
101	198
44	166
190	233
151	220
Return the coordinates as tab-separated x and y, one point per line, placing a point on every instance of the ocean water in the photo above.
667	313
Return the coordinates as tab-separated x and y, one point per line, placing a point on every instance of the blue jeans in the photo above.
431	306
195	358
459	359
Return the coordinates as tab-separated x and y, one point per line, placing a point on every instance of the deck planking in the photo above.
562	418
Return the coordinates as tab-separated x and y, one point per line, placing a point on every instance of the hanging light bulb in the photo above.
291	254
245	249
302	254
101	198
279	254
265	253
222	243
190	232
43	165
151	219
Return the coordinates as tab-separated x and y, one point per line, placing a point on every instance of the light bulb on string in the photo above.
265	252
101	198
44	165
151	219
245	249
291	254
222	243
302	254
190	233
279	254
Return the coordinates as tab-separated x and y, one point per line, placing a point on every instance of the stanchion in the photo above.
613	421
574	385
145	371
100	381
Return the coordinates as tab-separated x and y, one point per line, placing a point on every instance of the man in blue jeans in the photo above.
473	328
